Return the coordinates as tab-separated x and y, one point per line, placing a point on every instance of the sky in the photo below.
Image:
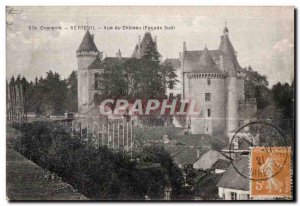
262	36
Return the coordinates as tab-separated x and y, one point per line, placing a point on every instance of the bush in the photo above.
96	172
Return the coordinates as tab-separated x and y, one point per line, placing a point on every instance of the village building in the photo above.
232	185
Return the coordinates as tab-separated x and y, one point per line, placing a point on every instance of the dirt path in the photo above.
27	181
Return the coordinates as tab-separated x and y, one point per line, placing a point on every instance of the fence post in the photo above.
118	135
102	137
113	135
127	148
123	135
108	135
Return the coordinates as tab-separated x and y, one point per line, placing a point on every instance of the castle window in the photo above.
208	112
207	97
208	81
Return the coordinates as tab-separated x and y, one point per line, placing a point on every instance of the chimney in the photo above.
155	39
184	46
198	153
119	54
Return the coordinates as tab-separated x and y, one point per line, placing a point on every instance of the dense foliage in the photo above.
256	86
139	78
97	172
49	95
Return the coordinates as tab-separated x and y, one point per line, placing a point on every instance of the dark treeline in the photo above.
275	104
51	95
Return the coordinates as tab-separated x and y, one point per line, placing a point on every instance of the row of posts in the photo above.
115	135
15	103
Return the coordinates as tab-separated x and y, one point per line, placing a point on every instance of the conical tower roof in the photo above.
87	43
230	59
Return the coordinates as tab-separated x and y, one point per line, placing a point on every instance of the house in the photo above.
208	159
220	166
232	185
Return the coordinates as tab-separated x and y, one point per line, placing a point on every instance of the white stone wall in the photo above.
232	103
225	193
241	89
196	89
207	160
84	59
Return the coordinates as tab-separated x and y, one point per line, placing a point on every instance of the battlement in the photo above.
87	54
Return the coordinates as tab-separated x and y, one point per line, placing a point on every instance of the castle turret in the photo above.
230	66
86	54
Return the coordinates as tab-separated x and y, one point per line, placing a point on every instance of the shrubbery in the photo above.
97	172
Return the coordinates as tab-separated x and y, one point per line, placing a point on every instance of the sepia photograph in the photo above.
150	103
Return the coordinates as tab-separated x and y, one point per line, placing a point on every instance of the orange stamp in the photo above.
270	172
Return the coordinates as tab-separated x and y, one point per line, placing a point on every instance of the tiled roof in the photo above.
188	155
97	64
175	62
230	60
112	61
232	179
140	50
206	59
206	186
221	164
135	53
191	61
87	43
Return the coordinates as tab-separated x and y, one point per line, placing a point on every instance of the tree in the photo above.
55	93
72	101
141	78
283	97
157	154
256	86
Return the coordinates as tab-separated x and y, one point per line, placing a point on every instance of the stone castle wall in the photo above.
196	89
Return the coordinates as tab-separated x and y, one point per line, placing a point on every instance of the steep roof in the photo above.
192	60
140	50
186	156
175	62
205	59
135	53
230	62
87	43
232	179
206	186
113	61
221	164
97	64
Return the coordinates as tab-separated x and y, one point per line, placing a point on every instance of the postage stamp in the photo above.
270	172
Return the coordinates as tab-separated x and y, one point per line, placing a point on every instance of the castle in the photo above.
213	77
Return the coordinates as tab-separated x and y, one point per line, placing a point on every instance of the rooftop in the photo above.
87	43
232	179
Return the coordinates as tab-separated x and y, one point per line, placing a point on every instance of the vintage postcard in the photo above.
150	103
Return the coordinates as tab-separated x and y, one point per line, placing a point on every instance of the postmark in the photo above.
270	172
255	134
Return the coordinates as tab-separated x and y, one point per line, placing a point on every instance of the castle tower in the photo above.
86	54
230	63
